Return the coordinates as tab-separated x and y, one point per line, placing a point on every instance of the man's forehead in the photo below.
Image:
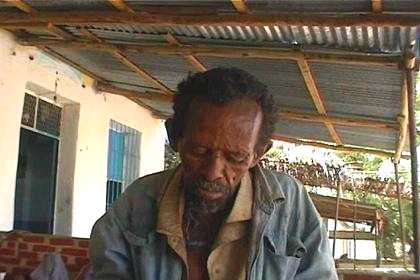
234	109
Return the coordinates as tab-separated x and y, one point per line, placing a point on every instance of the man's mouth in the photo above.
209	194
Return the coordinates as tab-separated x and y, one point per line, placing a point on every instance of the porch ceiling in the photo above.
336	71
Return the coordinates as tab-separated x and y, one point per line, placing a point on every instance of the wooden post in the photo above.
401	215
354	226
337	207
414	167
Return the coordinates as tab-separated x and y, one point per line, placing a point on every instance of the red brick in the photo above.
43	248
3	268
34	239
61	242
5	260
74	252
33	263
82	261
23	246
28	255
9	252
84	243
11	244
22	270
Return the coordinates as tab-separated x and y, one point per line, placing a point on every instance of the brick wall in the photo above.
21	252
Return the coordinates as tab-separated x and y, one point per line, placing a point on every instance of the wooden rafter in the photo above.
194	61
155	96
22	5
141	72
123	58
57	31
317	97
165	16
344	121
228	52
377	6
101	81
240	6
71	63
122	6
409	63
345	148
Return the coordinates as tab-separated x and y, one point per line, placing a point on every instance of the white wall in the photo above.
96	110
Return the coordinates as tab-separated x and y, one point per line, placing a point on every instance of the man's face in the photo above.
217	149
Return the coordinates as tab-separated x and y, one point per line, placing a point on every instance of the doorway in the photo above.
36	182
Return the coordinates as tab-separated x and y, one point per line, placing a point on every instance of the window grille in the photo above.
41	116
29	108
48	118
123	159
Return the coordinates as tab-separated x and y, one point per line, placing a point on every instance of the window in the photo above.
41	116
123	159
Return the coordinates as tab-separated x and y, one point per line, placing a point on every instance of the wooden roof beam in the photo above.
56	31
23	6
240	6
155	96
71	63
345	148
227	52
316	96
122	6
343	121
165	16
377	6
194	61
123	58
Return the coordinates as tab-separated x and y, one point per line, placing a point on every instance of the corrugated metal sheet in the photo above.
381	139
75	5
355	38
314	6
302	130
408	6
170	69
369	91
281	76
102	64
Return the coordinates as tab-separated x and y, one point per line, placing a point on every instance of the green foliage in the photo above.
388	205
172	158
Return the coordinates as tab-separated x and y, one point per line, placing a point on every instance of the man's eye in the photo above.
237	158
199	151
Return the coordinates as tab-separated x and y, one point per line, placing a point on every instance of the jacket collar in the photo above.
268	189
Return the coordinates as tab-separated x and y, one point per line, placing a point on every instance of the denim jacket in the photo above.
288	240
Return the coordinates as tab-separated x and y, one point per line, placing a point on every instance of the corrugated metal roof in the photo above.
324	6
281	76
302	130
365	91
102	64
381	139
169	68
355	38
360	91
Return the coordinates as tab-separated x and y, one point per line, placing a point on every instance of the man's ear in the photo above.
169	125
261	151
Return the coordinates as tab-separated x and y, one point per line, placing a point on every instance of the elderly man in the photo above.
219	215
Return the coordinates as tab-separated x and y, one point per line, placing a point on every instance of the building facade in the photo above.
67	149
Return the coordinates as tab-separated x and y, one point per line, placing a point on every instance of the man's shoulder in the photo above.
151	186
283	182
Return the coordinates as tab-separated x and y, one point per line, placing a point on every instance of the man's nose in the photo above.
214	168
